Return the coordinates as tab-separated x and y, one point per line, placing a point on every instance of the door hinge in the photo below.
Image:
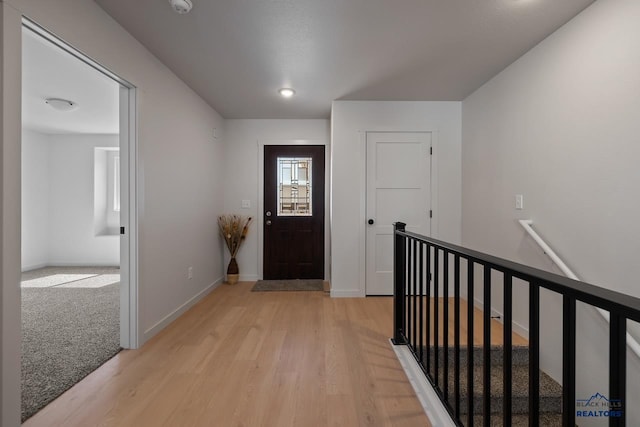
431	151
430	214
121	230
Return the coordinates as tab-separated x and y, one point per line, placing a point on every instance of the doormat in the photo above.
288	285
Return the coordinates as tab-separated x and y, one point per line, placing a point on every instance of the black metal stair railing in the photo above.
423	276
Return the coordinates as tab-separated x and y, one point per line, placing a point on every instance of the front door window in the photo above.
294	186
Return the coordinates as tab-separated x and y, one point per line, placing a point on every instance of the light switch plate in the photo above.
519	202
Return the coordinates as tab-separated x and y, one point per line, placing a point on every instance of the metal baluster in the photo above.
456	335
414	256
534	355
618	367
470	293
408	330
445	323
421	284
508	348
436	303
569	361
486	348
429	322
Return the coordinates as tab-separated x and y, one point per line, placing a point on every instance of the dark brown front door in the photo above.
293	212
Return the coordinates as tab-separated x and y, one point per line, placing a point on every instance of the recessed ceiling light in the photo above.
286	92
61	104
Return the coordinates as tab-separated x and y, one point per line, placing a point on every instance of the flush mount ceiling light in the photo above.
286	92
181	6
61	104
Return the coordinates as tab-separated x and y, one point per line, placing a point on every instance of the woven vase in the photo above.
233	273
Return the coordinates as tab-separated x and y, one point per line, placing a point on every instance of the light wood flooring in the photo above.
241	358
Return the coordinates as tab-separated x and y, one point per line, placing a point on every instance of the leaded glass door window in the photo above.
294	190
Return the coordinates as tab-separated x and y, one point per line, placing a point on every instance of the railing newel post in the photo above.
399	279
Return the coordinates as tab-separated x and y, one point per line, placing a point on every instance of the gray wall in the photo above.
180	171
242	151
350	120
561	126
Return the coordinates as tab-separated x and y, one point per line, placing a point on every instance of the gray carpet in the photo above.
67	332
288	285
550	391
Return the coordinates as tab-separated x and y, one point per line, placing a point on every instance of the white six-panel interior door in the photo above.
398	189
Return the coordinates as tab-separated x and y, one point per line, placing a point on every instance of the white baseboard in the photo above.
521	330
68	264
33	267
515	326
180	310
433	407
82	264
346	293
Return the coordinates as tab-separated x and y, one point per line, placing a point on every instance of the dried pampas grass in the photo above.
234	229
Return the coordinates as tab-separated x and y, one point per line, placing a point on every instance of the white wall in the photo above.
72	237
35	200
350	119
561	127
242	139
180	173
58	202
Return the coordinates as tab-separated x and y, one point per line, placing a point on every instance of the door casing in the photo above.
260	207
129	326
362	231
293	248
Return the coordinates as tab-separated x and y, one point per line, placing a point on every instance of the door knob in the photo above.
371	221
268	222
268	213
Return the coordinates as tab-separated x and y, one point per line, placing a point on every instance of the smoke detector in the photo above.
61	104
181	6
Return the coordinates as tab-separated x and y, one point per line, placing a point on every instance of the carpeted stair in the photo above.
550	391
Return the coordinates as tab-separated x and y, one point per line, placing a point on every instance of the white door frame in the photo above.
129	325
260	211
129	328
362	231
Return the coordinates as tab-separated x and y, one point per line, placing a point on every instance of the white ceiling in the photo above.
237	53
49	72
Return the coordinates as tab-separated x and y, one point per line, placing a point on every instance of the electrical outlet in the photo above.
519	202
246	204
190	273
